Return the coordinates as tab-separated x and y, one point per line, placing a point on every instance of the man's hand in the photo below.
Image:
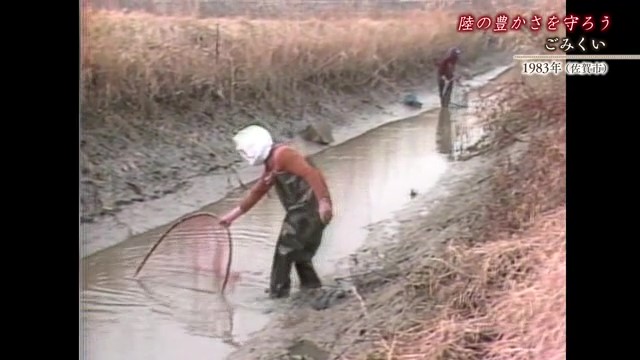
230	217
456	79
326	213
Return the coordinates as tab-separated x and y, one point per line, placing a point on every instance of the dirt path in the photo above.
137	176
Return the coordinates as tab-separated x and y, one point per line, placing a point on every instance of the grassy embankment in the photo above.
499	293
161	94
141	64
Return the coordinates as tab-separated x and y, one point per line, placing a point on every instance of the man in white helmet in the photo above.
305	196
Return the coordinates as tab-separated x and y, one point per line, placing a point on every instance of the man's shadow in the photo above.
444	133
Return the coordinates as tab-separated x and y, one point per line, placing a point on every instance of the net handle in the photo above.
180	221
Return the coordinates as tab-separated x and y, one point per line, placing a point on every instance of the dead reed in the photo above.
138	61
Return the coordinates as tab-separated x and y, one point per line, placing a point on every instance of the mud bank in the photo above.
136	176
387	292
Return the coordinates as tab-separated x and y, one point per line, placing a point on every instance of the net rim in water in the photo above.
164	235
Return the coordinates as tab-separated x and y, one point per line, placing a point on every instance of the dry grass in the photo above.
509	305
139	61
502	295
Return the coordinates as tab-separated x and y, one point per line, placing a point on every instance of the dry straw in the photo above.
141	61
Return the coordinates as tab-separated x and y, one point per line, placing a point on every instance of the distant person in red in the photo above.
446	68
303	192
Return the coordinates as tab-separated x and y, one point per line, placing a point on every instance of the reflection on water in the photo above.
459	132
445	135
200	305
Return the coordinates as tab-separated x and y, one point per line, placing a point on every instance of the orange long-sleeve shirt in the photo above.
288	160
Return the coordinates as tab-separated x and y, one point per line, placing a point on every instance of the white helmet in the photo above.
254	144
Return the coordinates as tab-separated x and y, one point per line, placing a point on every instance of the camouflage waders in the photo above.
299	240
444	91
300	236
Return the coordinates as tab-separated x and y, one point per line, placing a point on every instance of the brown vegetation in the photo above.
138	61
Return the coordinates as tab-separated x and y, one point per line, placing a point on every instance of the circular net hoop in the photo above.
196	243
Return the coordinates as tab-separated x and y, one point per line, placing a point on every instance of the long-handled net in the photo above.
447	94
194	243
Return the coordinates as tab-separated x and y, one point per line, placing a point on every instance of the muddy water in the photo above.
177	315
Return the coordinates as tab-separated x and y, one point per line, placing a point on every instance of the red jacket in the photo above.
446	67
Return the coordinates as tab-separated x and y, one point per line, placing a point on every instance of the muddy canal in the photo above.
175	314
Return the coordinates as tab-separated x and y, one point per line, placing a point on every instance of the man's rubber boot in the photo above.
308	277
278	293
